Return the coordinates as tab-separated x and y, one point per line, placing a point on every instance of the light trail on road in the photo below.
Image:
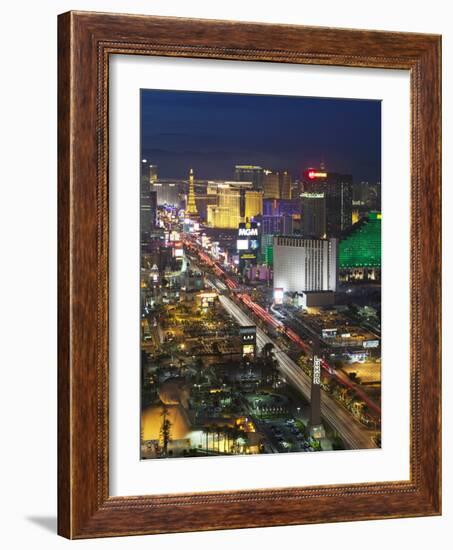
279	325
270	319
353	434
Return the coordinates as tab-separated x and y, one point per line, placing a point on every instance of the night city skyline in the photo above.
212	132
260	274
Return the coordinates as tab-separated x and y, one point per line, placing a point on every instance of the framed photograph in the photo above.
249	275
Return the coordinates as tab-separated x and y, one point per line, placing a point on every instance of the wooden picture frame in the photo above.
85	41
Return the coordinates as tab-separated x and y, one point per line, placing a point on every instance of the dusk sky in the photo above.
211	132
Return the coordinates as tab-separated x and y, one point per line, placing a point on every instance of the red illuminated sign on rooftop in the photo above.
313	174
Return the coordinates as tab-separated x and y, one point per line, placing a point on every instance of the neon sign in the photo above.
312	174
248	232
278	296
312	195
317	370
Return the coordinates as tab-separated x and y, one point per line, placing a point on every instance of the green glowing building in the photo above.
360	249
269	255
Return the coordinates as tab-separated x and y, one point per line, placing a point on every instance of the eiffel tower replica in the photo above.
191	207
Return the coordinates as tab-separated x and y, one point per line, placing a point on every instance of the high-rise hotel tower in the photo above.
305	265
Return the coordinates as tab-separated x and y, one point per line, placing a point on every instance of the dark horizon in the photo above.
212	132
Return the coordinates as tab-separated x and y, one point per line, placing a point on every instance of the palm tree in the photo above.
165	429
267	349
226	435
224	438
206	430
216	431
230	435
235	432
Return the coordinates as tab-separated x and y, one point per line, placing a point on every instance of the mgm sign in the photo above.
248	340
248	243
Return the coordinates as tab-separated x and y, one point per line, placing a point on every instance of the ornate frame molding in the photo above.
86	40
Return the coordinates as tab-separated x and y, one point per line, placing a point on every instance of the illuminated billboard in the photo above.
247	256
312	195
248	339
313	174
248	231
249	330
278	296
371	344
248	242
254	244
242	244
316	370
207	299
248	349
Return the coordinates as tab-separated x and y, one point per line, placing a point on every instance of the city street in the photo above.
354	434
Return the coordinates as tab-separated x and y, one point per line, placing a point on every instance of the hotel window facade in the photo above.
304	265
